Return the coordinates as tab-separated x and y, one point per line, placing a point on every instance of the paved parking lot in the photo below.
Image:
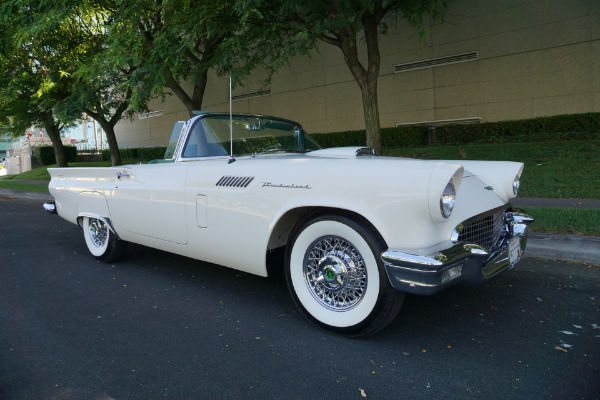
159	325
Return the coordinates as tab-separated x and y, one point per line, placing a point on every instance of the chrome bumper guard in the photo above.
431	271
50	207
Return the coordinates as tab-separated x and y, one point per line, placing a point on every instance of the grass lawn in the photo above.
29	187
569	169
565	220
42	172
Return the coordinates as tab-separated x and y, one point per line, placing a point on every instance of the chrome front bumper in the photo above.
428	272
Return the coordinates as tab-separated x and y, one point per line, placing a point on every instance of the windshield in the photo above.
251	135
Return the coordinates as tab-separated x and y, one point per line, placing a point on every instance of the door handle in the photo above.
120	175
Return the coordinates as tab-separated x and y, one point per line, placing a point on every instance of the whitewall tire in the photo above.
336	277
101	242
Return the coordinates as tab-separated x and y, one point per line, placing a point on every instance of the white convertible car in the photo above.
358	230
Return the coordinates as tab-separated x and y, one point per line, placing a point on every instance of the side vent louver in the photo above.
235	181
437	62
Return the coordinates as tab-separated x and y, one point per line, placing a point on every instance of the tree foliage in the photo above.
344	24
109	58
34	79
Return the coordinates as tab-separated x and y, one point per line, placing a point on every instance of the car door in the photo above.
148	201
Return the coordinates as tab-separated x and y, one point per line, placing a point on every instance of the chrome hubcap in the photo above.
335	273
98	232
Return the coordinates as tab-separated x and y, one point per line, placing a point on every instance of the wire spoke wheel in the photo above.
98	232
101	241
335	273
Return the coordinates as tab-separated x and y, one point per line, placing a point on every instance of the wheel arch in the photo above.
296	217
93	204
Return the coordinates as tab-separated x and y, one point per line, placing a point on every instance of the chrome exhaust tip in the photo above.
50	207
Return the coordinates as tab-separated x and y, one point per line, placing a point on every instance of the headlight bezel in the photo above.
516	184
448	199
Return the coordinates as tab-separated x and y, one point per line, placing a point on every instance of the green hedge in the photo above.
139	154
561	127
390	137
45	154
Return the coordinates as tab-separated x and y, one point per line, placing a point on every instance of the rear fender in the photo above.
94	205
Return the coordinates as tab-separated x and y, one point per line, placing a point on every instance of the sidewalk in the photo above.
539	245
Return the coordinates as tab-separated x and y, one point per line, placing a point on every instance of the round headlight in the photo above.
516	184
448	199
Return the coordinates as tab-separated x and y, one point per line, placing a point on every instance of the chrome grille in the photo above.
484	231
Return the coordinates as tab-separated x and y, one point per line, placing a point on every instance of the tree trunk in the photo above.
365	77
193	103
59	150
53	132
371	114
111	138
109	130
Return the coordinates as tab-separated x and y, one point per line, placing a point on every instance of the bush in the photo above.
137	154
45	154
340	139
400	136
150	153
560	127
403	136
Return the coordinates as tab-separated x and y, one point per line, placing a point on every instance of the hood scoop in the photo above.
343	152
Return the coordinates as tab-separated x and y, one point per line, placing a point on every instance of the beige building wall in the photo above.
534	58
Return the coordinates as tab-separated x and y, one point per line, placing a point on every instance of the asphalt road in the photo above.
162	326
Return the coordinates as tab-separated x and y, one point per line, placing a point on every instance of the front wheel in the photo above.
337	279
101	241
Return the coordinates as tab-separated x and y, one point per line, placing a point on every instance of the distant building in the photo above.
86	135
490	61
18	152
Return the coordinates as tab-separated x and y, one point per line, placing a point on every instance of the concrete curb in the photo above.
22	194
563	247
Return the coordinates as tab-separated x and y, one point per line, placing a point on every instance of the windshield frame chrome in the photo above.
182	143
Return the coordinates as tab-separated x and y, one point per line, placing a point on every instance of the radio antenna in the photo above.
231	159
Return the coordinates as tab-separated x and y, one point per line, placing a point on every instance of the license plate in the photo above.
514	250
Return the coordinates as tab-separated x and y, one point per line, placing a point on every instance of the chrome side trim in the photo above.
208	158
50	207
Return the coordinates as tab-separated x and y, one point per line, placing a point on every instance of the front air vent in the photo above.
437	62
235	181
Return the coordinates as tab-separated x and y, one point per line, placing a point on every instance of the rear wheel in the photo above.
101	241
337	279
